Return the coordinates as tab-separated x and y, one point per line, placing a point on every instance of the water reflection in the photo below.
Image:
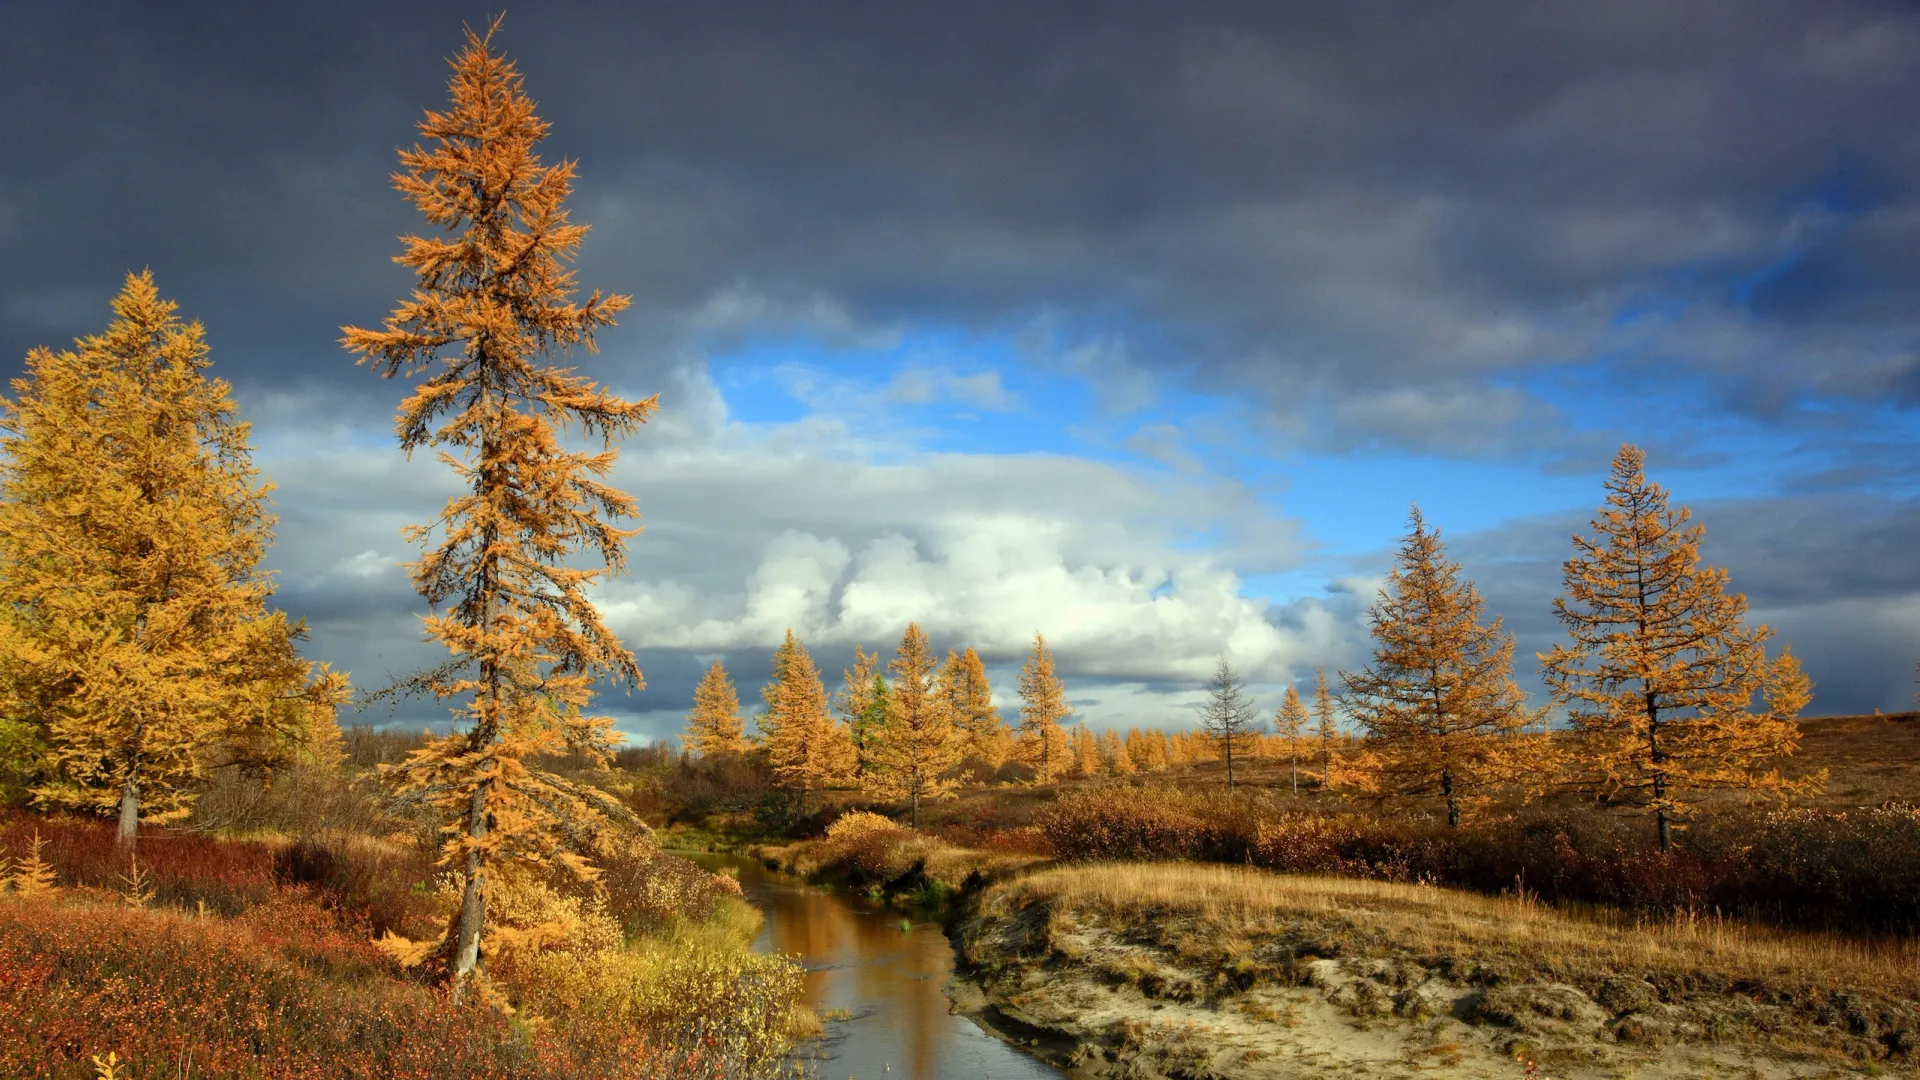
889	982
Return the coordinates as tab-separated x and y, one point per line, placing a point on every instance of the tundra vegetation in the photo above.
200	869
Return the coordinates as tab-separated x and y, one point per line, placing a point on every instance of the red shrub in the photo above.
226	875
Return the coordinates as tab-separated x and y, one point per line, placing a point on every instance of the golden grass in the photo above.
1424	921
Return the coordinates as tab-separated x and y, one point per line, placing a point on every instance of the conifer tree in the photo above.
1086	752
875	722
137	639
1148	749
714	726
862	702
918	746
1439	695
1227	715
1662	672
1043	707
963	683
1177	753
1326	725
805	748
491	311
1289	723
1113	750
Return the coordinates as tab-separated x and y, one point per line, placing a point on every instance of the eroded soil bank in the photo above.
1179	972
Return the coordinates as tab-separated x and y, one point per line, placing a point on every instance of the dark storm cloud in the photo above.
1317	203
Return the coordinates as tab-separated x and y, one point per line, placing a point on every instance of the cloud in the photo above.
1345	212
752	529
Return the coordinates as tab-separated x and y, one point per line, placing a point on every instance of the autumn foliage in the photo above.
137	640
805	748
1438	699
492	305
917	747
714	725
1662	672
1043	708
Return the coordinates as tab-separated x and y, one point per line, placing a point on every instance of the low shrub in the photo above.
281	991
1854	871
650	891
696	992
868	848
185	870
645	972
298	802
376	883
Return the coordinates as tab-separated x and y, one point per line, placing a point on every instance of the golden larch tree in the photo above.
862	702
918	744
1662	673
1043	708
984	739
137	639
1290	723
714	724
492	310
1438	699
1113	750
1086	751
1179	748
806	750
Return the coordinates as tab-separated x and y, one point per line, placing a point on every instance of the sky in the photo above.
1138	325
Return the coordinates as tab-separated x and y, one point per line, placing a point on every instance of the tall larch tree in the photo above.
919	745
138	646
491	312
1043	708
806	750
1113	751
983	737
1227	718
1290	723
714	725
1438	699
1662	671
862	702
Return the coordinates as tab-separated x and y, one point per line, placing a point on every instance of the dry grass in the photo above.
1870	760
1224	905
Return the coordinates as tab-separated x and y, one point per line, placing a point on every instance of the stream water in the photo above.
887	983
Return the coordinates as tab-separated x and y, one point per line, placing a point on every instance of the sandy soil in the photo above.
1108	1007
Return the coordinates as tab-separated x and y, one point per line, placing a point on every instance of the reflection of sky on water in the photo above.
892	982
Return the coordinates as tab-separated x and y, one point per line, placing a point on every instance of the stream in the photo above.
888	984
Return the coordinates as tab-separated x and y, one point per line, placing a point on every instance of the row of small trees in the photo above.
920	734
901	738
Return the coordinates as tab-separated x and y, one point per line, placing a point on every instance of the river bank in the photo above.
878	976
1150	970
1186	971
